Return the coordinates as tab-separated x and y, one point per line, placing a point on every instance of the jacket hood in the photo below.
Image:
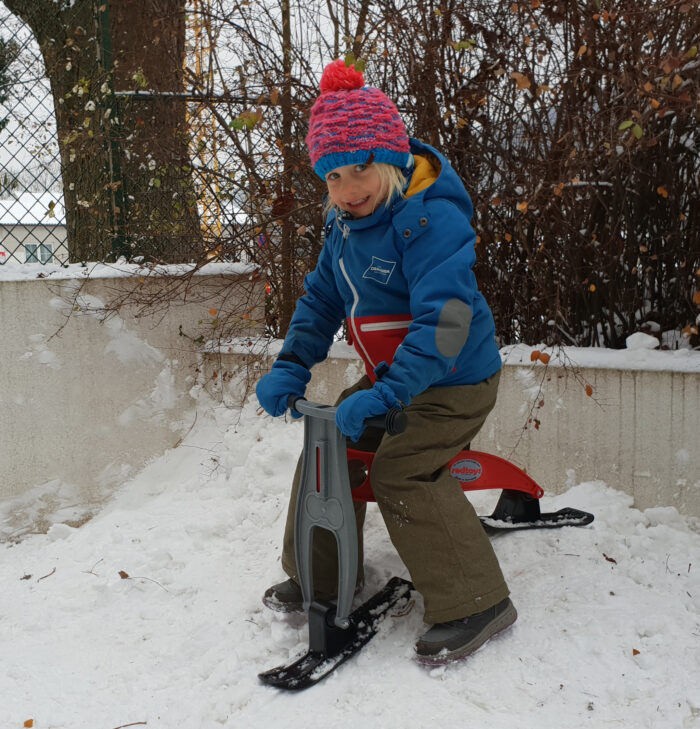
448	184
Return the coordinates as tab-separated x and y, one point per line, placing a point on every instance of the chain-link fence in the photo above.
32	213
147	166
182	125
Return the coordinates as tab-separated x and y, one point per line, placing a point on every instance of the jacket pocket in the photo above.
384	326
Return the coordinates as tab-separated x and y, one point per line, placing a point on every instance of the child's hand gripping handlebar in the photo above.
393	421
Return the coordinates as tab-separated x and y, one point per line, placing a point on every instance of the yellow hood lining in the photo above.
425	172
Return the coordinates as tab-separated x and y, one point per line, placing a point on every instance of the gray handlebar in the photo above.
393	421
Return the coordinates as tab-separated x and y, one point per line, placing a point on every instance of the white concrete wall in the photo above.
86	401
638	432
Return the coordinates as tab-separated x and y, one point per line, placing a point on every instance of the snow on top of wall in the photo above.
14	271
268	347
639	354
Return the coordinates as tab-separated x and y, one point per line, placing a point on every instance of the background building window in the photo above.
37	253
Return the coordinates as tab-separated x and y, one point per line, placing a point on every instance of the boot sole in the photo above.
497	625
282	607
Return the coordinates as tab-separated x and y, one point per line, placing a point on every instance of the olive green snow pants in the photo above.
431	523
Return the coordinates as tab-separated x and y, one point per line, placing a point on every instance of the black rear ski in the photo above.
517	510
331	646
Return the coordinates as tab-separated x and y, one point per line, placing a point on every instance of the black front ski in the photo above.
336	645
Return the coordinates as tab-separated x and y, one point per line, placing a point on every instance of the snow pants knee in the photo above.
431	523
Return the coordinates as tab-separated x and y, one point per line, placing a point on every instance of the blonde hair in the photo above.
392	179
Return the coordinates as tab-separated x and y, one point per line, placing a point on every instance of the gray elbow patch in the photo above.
453	327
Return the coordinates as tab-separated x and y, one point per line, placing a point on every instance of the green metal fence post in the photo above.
110	117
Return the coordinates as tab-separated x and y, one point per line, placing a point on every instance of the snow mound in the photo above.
150	613
640	340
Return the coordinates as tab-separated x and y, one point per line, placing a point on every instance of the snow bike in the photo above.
325	501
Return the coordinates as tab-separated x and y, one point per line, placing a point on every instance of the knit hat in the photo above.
351	122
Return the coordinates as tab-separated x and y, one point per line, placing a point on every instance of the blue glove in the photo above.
284	379
351	414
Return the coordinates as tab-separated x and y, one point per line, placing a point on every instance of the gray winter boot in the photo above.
455	639
285	597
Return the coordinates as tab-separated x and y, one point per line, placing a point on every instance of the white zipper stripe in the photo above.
355	302
381	326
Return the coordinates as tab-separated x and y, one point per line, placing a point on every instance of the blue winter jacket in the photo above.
403	279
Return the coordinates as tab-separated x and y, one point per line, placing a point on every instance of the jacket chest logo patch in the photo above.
380	270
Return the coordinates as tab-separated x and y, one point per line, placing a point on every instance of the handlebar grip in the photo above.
393	421
396	421
292	401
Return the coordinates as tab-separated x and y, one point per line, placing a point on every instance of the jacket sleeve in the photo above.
437	264
318	314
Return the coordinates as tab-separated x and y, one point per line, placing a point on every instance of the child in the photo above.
397	264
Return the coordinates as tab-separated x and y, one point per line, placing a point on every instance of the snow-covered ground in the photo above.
150	613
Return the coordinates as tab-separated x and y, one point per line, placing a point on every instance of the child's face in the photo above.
357	189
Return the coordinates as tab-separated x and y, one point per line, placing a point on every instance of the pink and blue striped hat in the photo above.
351	123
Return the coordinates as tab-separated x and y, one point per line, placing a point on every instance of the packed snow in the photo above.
150	613
640	353
16	271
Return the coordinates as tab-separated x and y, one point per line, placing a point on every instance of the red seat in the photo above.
473	469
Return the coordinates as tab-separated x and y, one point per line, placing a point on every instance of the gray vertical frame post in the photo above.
325	502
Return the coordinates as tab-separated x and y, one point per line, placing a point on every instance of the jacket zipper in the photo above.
355	299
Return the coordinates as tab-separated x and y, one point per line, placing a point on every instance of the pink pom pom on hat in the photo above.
351	122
